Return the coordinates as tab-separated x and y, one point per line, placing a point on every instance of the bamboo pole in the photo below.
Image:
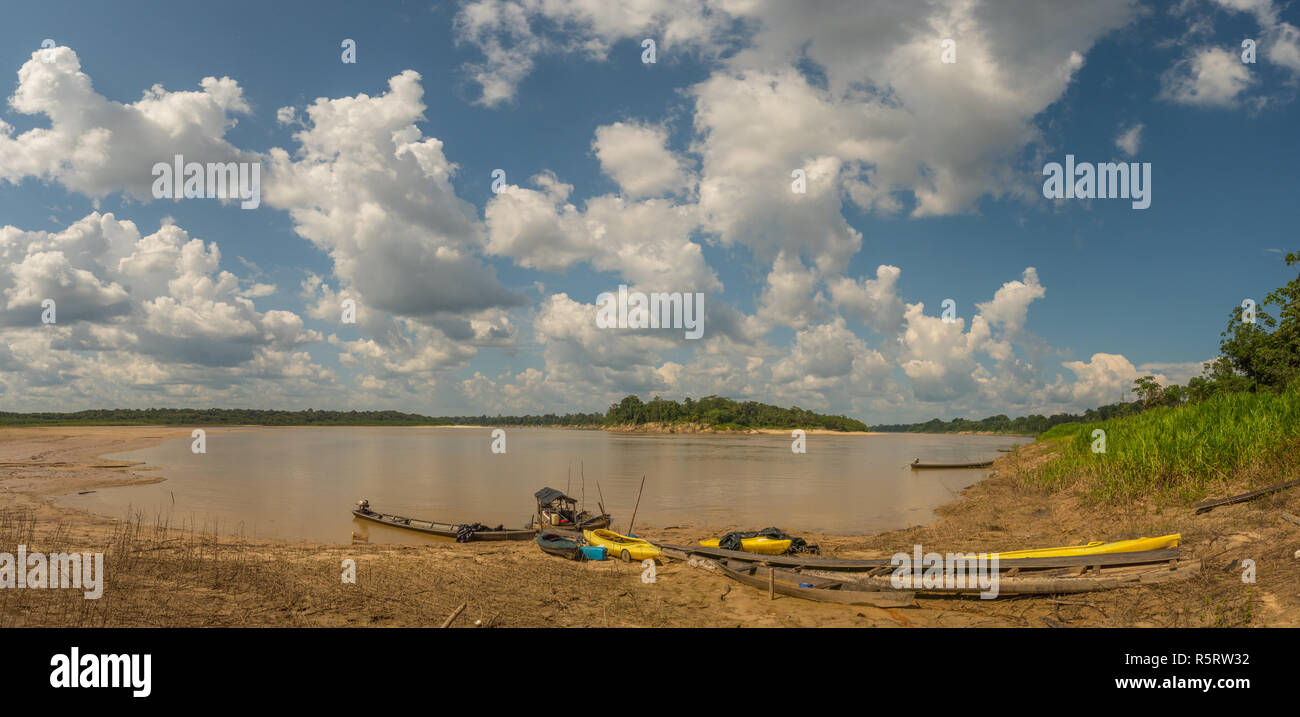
638	504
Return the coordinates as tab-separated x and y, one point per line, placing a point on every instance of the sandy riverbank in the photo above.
157	575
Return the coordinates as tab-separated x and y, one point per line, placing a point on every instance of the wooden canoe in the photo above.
459	531
808	587
560	545
918	465
1048	582
863	564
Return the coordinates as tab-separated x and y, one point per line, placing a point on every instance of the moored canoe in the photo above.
462	532
916	464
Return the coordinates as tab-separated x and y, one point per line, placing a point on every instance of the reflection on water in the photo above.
301	483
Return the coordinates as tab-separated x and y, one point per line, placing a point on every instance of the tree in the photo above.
1267	351
1148	391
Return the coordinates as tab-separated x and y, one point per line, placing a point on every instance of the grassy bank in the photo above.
1177	454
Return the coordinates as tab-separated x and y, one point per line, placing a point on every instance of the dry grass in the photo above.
160	575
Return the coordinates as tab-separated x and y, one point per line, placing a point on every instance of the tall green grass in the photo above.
1173	453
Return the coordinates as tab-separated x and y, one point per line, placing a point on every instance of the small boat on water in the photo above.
560	545
624	546
1095	547
917	464
558	510
762	545
462	532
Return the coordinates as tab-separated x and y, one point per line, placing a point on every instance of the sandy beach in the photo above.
160	574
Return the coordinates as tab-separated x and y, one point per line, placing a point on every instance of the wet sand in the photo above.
182	575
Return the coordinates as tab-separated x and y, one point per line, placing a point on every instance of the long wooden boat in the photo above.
462	532
918	465
819	589
1165	555
1044	582
624	546
561	545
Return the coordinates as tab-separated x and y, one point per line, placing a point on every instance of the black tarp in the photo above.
731	541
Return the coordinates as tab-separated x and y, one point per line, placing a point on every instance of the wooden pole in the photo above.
771	583
452	616
600	502
583	469
638	504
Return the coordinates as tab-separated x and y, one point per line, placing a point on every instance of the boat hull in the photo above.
559	545
444	530
818	589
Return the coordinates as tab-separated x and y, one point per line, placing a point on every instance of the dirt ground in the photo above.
161	575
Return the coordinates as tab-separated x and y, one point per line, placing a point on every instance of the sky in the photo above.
824	178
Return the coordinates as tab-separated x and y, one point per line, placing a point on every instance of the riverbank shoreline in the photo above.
513	584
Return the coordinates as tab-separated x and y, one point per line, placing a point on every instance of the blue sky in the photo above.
929	169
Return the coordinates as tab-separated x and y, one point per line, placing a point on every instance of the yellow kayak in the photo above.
1096	547
623	546
761	544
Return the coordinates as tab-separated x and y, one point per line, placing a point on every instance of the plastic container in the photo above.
593	552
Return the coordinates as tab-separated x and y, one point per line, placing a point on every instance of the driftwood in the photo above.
1290	518
453	615
1252	495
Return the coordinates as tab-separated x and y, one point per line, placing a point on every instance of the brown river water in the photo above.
301	483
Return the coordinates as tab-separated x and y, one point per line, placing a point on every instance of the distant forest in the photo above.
1027	425
220	416
710	412
720	412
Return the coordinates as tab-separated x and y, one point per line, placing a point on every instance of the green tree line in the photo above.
712	411
718	412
